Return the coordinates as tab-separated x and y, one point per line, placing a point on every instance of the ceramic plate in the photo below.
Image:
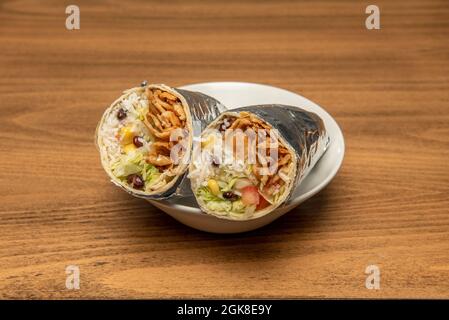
238	94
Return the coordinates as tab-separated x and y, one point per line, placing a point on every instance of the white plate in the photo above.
239	94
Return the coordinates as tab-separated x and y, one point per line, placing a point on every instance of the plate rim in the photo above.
293	202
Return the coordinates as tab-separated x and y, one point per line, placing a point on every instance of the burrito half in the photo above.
145	137
251	159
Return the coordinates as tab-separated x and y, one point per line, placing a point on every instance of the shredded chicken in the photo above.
270	182
159	160
165	115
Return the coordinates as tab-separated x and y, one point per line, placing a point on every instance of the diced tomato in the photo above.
250	196
263	203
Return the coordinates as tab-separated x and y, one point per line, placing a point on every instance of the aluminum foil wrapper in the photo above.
204	109
303	130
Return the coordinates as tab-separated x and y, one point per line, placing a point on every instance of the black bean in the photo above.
144	83
121	114
230	195
136	181
138	141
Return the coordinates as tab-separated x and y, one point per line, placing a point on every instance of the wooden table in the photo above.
388	206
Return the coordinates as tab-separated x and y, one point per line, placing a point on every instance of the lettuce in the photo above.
134	163
122	170
150	173
238	206
219	206
213	202
206	195
130	164
228	186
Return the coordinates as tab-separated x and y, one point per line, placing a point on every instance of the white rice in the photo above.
135	105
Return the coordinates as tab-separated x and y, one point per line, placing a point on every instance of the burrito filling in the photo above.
240	181
137	135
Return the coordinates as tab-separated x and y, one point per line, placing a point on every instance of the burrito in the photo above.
249	160
145	137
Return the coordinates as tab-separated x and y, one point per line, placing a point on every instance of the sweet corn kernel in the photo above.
129	147
126	135
213	187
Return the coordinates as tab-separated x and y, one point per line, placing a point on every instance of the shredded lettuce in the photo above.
134	163
238	206
206	195
213	202
230	184
219	206
128	164
150	173
226	179
122	170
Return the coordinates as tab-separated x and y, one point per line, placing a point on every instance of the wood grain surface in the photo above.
388	206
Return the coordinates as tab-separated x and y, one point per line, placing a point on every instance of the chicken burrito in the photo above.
145	137
250	160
